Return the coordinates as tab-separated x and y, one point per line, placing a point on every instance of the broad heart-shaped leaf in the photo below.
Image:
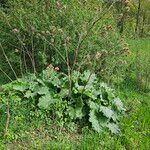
108	112
107	90
46	100
8	86
94	121
71	112
113	128
20	86
64	92
33	85
29	94
75	111
86	90
50	76
90	94
89	77
40	81
93	118
93	105
78	88
75	76
118	104
42	90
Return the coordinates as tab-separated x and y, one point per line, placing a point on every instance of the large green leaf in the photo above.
46	100
93	118
113	128
93	105
75	76
33	85
50	76
20	86
43	90
29	94
71	112
85	90
64	92
94	121
89	77
108	112
118	104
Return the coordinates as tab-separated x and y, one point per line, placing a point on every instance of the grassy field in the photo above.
140	44
134	126
135	131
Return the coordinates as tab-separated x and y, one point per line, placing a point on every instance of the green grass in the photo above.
140	58
134	126
139	45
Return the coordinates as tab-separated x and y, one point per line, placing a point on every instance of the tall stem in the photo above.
138	15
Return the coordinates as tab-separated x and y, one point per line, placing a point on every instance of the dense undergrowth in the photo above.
49	98
56	34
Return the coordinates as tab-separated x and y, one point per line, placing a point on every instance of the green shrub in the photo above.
36	33
39	30
48	98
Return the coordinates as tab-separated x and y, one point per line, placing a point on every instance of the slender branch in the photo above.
69	71
8	61
5	74
28	53
24	59
34	68
21	69
8	119
57	50
77	50
81	38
